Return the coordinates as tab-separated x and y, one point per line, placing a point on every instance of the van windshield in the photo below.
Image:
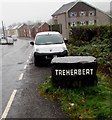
49	39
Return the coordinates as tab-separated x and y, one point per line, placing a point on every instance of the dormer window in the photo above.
82	13
91	13
73	14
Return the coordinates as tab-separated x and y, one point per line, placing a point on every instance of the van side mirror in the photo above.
32	43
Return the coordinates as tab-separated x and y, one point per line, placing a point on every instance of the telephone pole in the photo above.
3	29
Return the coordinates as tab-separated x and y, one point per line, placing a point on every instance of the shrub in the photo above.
93	41
99	49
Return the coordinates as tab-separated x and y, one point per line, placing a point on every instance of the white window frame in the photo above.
73	24
91	13
91	22
73	14
82	13
82	22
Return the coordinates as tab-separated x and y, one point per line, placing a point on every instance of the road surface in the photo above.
20	80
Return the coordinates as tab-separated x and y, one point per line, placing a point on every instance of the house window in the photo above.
82	22
73	14
73	24
55	17
91	13
91	22
82	13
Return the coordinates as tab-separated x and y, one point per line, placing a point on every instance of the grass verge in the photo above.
82	103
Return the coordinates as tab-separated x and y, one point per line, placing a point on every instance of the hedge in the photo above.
90	32
93	41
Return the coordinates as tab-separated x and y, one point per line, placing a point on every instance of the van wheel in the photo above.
36	62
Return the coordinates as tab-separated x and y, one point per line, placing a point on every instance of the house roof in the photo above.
42	24
9	27
15	27
20	25
64	8
31	26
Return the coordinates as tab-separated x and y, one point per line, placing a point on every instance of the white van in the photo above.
48	45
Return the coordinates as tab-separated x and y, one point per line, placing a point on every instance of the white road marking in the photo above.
21	76
25	67
30	54
5	113
29	57
27	61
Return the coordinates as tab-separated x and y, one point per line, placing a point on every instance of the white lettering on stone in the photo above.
79	71
63	72
73	72
91	71
87	71
56	72
67	72
60	72
83	71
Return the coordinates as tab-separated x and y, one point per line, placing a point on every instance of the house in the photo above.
79	13
11	30
8	31
20	30
38	28
24	30
43	27
34	30
29	31
111	8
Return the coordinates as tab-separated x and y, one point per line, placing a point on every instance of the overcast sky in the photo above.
14	11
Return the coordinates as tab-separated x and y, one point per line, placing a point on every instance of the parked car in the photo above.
3	40
4	37
48	45
14	37
10	41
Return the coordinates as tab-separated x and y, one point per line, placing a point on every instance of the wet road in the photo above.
14	57
20	74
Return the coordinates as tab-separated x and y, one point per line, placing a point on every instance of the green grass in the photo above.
81	103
